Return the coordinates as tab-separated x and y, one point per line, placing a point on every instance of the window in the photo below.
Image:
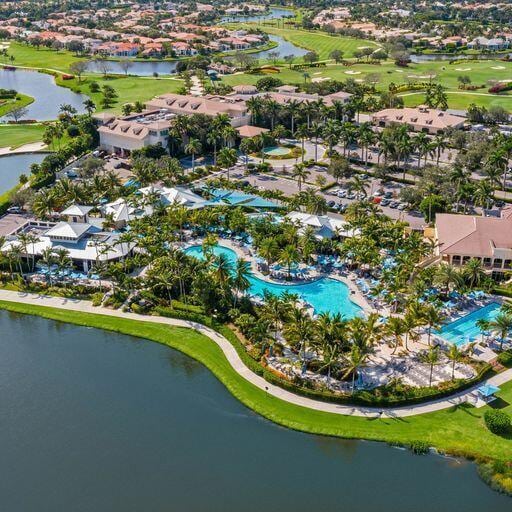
487	262
498	262
153	133
456	260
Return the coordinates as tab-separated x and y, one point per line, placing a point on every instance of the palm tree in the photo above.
331	133
473	273
213	139
316	131
396	329
241	276
439	144
421	143
48	259
354	361
299	330
447	276
483	325
293	109
227	159
275	310
223	270
192	148
288	256
366	139
431	357
501	326
455	356
268	249
433	317
303	133
300	173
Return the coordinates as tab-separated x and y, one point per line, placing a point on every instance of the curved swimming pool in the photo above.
325	295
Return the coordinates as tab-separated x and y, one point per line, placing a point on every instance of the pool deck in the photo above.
468	396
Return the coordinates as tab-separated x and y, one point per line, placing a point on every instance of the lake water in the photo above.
275	13
48	95
443	56
284	48
13	166
98	421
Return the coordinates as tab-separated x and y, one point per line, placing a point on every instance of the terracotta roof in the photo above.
250	131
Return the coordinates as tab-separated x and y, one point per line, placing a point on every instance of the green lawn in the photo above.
129	89
458	430
44	58
320	42
21	100
445	74
17	135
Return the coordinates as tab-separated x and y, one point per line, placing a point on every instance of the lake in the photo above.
13	166
275	13
93	420
48	95
284	48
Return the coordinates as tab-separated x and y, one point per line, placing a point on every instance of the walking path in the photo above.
238	365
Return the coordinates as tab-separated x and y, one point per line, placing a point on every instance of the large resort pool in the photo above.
325	295
465	329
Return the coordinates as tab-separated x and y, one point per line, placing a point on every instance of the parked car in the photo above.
351	195
15	209
384	202
342	193
402	206
394	204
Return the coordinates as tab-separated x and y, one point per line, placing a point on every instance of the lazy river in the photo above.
325	295
95	420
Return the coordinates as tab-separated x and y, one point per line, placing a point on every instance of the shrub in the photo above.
505	358
419	447
497	422
97	298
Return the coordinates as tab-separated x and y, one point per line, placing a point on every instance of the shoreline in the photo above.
456	430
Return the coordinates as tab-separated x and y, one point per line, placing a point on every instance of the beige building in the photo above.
123	135
179	104
489	239
420	119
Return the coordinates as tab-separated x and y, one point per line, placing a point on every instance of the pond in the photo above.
13	166
42	87
283	47
93	420
139	68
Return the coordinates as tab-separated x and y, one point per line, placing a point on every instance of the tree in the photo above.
78	68
336	56
432	316
300	173
193	148
311	57
125	65
501	326
473	273
288	257
241	275
396	329
299	330
432	358
455	356
227	159
103	65
355	360
17	113
431	205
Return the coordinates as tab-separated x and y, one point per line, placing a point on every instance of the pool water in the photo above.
325	295
465	329
276	151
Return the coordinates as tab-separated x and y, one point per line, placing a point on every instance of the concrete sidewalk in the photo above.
468	396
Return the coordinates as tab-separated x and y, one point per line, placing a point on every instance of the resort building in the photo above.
123	135
420	119
180	104
324	226
85	242
462	237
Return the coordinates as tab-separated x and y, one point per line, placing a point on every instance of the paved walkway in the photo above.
238	365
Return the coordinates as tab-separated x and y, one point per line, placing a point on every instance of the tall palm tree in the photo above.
473	273
367	137
432	358
299	330
354	361
193	148
433	318
448	277
223	270
501	326
240	280
302	133
300	173
227	159
455	356
288	256
268	249
396	329
293	109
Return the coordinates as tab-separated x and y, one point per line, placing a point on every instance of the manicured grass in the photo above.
129	88
17	135
445	74
43	57
320	42
21	100
459	430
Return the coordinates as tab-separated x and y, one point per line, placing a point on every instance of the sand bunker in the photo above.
319	79
399	70
498	67
463	69
352	72
421	76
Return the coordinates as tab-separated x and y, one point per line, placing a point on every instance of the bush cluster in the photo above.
498	422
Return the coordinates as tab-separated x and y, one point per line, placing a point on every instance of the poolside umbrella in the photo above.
488	390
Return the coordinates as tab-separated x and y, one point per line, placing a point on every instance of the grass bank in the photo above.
21	100
459	430
14	136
